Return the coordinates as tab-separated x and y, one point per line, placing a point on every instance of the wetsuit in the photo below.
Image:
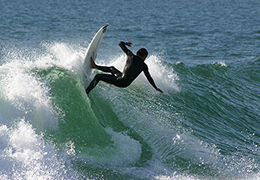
133	67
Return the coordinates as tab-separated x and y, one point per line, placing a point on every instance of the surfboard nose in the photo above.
105	27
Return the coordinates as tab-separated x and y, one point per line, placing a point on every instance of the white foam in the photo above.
26	111
220	63
65	56
165	77
176	177
127	150
24	155
25	95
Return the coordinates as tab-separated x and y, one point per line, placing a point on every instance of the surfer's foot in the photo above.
93	65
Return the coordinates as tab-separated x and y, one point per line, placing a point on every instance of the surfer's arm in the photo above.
150	79
124	48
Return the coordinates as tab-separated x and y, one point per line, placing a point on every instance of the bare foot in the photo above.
92	63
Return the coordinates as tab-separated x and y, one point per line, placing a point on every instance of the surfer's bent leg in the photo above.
111	79
110	69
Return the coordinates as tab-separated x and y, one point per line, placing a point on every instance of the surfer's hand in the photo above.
128	43
157	89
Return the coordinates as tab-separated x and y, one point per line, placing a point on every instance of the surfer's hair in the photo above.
142	52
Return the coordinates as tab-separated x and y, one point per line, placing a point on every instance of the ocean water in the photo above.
204	55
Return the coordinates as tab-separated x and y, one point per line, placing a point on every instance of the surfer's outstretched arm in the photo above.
150	79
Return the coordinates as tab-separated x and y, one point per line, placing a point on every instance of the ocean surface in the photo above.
204	55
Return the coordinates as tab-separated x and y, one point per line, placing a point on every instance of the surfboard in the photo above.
92	51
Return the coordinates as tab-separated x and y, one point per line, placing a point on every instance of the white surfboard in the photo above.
92	51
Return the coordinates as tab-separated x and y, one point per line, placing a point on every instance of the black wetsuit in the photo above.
133	67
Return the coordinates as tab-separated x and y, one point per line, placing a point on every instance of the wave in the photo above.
43	104
51	129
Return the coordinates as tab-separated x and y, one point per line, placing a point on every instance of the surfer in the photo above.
134	66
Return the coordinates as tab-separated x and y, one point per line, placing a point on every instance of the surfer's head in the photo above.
143	53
